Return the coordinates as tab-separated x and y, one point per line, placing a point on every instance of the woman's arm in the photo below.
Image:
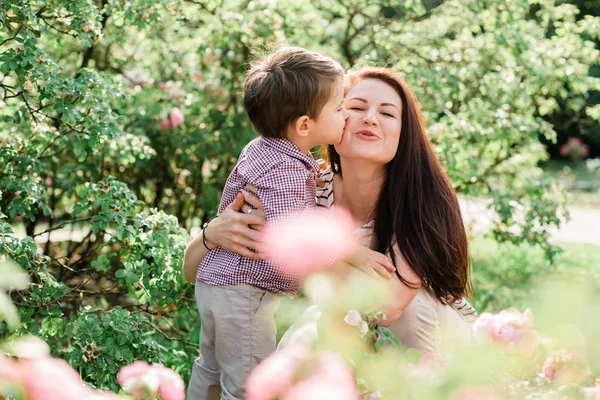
402	294
234	230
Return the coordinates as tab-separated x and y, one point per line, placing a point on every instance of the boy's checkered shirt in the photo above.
285	179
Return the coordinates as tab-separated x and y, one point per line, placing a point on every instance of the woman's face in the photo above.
373	126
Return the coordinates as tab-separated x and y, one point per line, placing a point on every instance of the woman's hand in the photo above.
232	231
371	262
236	230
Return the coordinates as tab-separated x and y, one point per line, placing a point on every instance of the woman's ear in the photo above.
302	126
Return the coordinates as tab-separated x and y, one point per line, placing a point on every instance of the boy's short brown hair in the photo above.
286	84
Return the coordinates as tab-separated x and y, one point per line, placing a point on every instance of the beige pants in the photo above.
237	332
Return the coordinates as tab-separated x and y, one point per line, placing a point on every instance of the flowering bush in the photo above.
28	372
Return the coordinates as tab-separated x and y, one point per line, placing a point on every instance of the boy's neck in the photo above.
304	143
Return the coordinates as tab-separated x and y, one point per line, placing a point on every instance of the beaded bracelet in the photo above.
204	235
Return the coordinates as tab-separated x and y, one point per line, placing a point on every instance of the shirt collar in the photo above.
290	149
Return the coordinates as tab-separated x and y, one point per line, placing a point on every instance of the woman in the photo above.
386	174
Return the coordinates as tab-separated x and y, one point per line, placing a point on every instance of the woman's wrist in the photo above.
208	244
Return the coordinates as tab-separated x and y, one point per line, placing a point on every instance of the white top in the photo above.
425	324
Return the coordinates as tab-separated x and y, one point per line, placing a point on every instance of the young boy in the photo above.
294	98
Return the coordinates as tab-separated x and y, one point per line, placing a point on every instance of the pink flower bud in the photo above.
166	124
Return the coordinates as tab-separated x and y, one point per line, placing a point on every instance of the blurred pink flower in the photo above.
509	329
276	373
332	379
134	370
138	380
476	393
141	379
309	242
50	378
575	148
176	117
171	386
10	372
562	366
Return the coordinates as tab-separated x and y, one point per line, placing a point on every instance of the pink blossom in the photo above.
141	379
331	380
166	124
171	386
563	366
309	242
276	373
509	330
50	378
10	372
134	370
575	148
176	117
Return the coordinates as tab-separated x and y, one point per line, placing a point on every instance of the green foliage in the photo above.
98	194
505	275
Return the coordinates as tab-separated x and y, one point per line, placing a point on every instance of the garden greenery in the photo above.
96	199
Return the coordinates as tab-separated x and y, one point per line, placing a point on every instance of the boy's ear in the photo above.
302	126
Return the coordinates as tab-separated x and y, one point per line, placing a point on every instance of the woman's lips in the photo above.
366	135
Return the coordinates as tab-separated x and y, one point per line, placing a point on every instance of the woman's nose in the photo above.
370	119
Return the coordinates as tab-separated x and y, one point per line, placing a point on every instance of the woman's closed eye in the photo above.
356	108
387	114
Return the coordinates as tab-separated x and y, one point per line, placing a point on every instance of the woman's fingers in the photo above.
237	203
255	211
385	262
382	271
252	198
246	252
371	272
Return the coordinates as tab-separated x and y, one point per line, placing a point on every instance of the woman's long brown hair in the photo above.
418	207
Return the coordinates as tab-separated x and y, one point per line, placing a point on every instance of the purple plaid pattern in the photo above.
285	180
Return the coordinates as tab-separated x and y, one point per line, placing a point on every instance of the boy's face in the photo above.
328	128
